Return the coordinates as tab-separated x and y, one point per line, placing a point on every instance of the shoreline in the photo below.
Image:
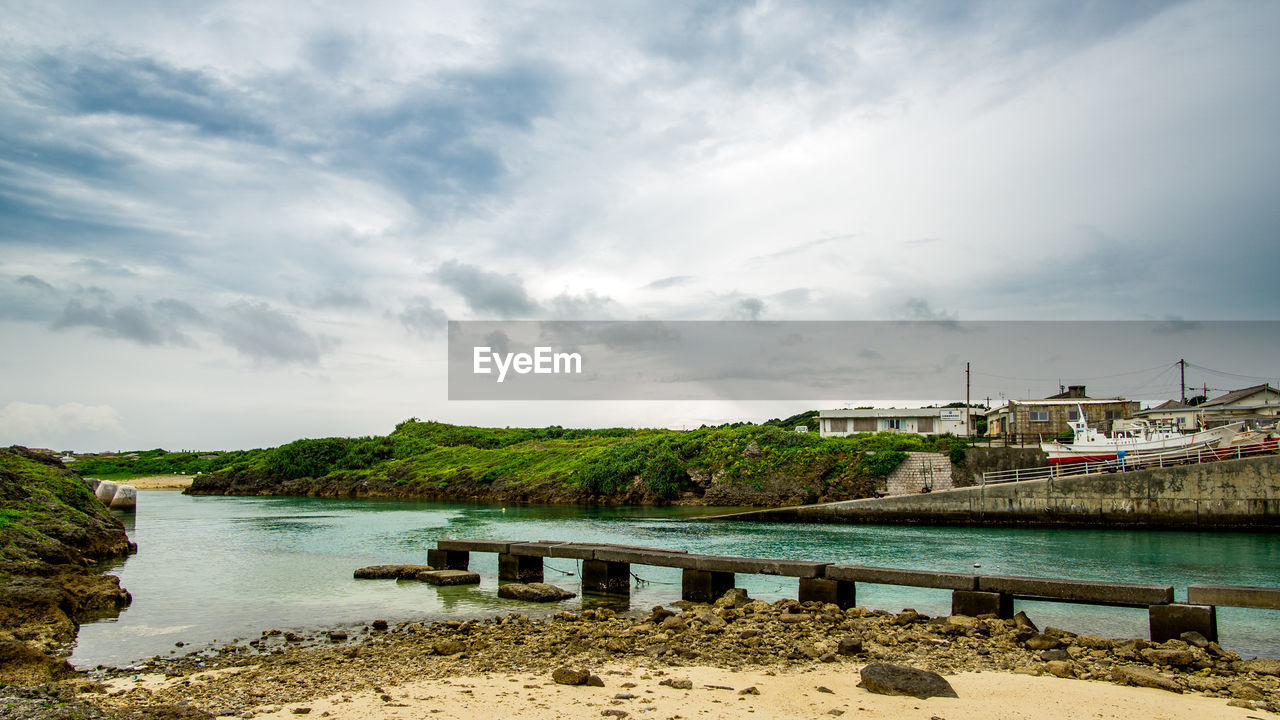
160	482
502	666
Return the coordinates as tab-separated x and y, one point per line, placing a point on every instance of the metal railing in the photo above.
1132	461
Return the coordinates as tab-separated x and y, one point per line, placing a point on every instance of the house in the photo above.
1033	421
1172	413
922	421
1256	405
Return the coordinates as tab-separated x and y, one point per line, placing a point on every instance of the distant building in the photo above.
1257	405
921	421
1030	421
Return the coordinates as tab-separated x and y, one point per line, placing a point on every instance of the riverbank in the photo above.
701	662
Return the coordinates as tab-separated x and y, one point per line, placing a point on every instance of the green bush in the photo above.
882	462
306	458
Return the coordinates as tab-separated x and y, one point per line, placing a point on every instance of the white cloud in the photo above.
38	425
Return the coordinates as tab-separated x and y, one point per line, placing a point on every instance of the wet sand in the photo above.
161	482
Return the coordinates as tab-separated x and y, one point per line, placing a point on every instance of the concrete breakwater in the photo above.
1232	494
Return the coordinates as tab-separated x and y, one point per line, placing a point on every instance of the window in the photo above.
1073	415
924	424
836	425
894	423
1039	415
1113	414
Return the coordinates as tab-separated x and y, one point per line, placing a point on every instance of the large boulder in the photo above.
889	679
534	592
391	572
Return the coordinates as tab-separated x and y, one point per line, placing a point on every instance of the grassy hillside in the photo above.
758	464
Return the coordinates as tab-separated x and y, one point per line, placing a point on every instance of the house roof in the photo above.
1052	401
1166	406
1235	395
891	412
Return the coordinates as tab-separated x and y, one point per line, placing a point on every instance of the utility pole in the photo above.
1183	364
968	432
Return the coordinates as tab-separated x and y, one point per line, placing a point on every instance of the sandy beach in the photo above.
161	482
720	693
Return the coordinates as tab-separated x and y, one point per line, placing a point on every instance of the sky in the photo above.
233	224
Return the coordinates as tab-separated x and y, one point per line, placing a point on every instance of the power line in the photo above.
1230	374
1055	380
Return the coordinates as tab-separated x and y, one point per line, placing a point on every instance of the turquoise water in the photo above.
213	569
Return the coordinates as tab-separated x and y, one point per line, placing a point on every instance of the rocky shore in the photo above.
53	530
281	671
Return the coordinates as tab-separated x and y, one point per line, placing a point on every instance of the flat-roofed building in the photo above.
922	421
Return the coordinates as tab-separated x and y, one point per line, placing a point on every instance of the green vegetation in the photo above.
144	463
44	508
432	458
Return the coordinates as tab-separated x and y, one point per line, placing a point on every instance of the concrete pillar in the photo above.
519	568
839	592
974	603
448	559
600	576
126	498
704	586
106	490
1168	622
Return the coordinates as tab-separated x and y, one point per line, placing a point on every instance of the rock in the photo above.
825	689
301	711
614	712
534	592
570	676
1180	658
391	572
827	657
337	635
749	691
888	679
595	681
1142	677
674	624
678	683
735	598
1246	691
1022	622
450	577
379	624
1195	639
1262	666
449	647
1093	642
1055	654
849	646
1042	642
1060	668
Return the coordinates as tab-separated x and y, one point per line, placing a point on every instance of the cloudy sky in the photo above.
231	224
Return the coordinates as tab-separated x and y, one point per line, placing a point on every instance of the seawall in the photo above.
1231	494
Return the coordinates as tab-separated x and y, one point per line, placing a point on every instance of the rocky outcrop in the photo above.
392	572
534	592
52	527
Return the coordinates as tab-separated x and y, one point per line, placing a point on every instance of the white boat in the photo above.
1141	439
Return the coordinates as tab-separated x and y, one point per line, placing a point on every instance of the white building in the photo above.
922	421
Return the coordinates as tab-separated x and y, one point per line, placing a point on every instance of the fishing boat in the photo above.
1139	440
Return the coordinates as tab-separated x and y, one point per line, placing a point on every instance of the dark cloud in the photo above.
179	311
104	267
669	282
422	317
916	308
123	84
747	309
337	298
35	282
487	292
128	322
587	306
259	331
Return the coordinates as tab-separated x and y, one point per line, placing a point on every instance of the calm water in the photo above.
212	569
